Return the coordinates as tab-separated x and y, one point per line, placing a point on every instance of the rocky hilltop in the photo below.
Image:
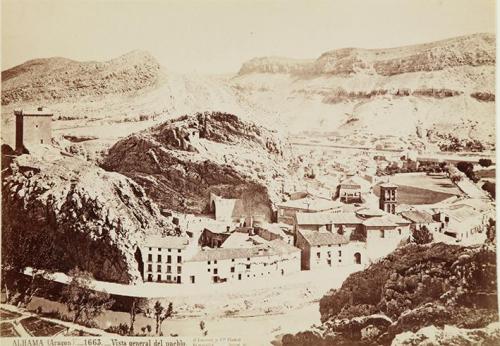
414	287
442	86
60	79
180	162
472	50
94	219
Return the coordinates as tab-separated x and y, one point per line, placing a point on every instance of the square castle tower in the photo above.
33	127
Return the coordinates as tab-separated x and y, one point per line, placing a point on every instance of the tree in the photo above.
160	314
22	250
138	305
491	231
422	235
81	299
490	188
468	169
485	162
203	328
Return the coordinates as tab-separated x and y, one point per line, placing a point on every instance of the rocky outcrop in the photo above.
472	50
59	79
94	219
180	162
412	288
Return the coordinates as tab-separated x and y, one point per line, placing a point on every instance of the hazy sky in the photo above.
217	36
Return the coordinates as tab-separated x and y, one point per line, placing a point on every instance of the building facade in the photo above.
33	127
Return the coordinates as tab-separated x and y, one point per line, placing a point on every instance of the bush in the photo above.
121	329
422	235
490	188
485	162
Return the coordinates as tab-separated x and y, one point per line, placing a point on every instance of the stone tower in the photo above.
388	198
33	127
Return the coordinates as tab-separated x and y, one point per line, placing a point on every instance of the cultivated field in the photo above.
422	189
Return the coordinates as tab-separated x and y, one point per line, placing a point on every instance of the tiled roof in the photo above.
388	185
417	216
315	238
272	248
379	222
167	242
326	218
308	203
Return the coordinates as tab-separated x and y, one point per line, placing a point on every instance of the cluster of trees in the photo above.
468	169
410	166
456	144
421	235
490	188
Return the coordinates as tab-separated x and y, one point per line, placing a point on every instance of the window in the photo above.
150	277
158	268
209	270
329	262
179	259
329	254
169	250
149	249
265	264
399	231
248	266
209	262
192	279
150	258
340	253
41	141
169	278
169	269
318	254
159	258
232	269
248	258
159	277
179	250
382	233
36	126
232	260
169	259
179	270
215	262
150	267
215	271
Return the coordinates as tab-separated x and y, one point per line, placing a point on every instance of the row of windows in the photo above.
159	249
158	259
232	260
329	245
159	269
318	254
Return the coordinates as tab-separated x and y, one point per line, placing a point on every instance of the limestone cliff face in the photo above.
95	218
181	161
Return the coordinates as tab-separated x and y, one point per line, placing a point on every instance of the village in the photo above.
338	211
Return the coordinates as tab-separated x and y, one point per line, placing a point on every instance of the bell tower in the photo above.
388	198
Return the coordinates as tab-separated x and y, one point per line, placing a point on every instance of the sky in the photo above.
217	36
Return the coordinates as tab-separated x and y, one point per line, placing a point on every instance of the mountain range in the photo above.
444	87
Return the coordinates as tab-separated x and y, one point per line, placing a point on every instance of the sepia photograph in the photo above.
248	172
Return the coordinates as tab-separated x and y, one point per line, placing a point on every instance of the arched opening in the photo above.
357	258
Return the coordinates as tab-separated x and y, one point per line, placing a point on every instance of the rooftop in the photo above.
417	216
317	238
379	222
167	242
388	185
272	248
310	203
38	111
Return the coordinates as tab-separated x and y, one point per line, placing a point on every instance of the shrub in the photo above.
485	162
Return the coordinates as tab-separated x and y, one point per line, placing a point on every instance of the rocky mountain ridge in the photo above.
95	219
180	162
414	287
439	87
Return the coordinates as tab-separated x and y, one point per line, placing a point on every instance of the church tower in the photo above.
388	198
